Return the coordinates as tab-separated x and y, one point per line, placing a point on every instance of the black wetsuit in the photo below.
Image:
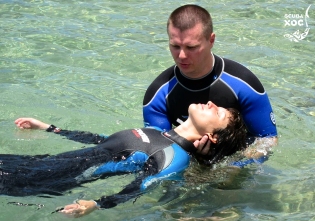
157	154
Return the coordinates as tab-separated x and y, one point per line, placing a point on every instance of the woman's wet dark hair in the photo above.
230	139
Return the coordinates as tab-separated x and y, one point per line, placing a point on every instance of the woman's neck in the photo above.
188	131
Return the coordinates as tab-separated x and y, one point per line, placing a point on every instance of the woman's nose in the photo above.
211	104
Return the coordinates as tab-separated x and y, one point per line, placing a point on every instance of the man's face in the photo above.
208	117
191	50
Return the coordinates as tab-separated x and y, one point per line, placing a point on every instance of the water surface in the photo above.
86	65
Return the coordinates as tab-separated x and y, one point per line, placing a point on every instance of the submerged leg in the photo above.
30	175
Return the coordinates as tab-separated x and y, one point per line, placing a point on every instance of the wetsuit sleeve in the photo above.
78	136
154	102
243	163
132	190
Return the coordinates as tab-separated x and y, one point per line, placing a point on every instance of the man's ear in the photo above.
211	39
212	138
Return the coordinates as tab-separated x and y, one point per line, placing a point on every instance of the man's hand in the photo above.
30	123
262	146
203	145
80	208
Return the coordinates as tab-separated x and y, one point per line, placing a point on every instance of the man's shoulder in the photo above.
235	68
162	78
243	73
166	75
158	83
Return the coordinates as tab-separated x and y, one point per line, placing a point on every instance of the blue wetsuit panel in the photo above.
178	164
133	163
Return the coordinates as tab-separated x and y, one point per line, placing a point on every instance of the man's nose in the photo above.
182	54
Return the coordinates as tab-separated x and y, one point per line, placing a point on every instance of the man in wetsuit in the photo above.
157	154
200	76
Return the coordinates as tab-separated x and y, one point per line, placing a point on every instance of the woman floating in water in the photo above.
154	153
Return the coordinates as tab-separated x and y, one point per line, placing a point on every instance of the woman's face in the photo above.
208	117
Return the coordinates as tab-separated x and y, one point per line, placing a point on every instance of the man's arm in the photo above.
203	145
154	101
262	146
257	152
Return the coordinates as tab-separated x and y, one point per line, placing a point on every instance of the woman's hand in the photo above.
30	123
80	208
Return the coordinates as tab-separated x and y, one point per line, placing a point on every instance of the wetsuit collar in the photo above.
182	142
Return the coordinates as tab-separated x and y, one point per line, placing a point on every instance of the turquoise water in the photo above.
86	65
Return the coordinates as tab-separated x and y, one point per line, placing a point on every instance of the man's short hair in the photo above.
187	16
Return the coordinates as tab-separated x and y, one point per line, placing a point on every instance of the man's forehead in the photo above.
197	27
186	37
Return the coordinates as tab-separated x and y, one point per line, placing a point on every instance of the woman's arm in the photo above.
79	208
30	123
84	207
79	136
